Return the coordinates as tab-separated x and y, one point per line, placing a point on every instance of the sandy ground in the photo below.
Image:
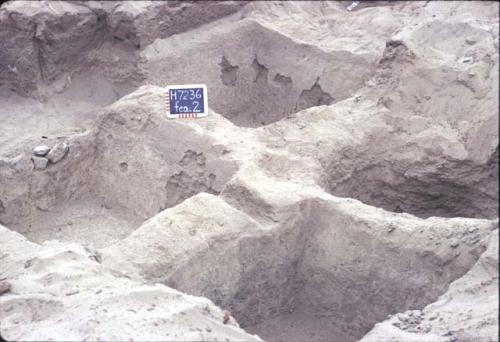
66	113
299	326
344	186
84	221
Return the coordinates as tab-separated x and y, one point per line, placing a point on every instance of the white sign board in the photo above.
186	101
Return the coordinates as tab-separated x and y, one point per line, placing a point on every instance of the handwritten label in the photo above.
186	101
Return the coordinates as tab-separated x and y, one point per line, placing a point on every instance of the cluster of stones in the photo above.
411	321
42	155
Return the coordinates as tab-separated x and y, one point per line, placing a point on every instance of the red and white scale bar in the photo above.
185	115
167	102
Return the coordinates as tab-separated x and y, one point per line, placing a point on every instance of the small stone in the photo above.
39	162
454	244
4	287
471	41
58	152
433	316
426	328
41	150
417	313
402	317
472	229
391	228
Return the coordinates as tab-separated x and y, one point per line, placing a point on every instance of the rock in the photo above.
433	316
425	327
58	152
402	317
40	163
454	243
472	229
4	287
41	150
416	313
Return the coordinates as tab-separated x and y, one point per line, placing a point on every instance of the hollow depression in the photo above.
190	205
128	168
256	75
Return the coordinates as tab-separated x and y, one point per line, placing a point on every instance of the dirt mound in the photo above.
60	292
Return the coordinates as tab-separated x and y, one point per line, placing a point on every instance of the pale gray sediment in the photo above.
343	187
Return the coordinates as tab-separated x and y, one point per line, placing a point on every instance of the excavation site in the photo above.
249	171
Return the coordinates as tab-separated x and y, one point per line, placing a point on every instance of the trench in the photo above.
459	189
304	281
261	96
100	191
318	277
251	74
90	218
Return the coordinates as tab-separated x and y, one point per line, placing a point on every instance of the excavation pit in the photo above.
252	75
92	216
297	231
467	190
104	188
324	275
84	221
